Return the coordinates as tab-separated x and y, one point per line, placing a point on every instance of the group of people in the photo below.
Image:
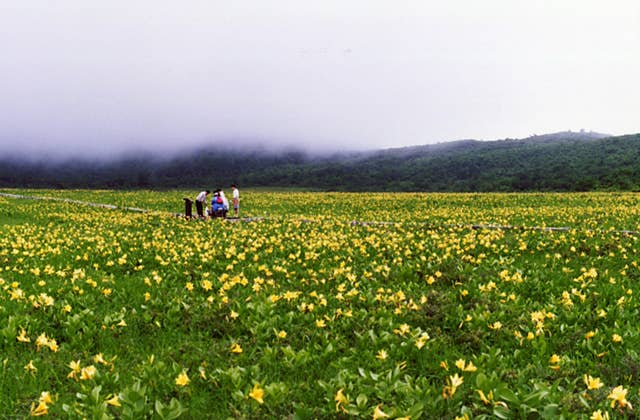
219	203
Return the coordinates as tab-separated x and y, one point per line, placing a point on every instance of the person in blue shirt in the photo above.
217	205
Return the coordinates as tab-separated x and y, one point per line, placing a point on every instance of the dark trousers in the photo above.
199	208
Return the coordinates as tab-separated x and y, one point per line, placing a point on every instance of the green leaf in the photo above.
159	408
95	393
584	402
481	380
536	397
505	394
303	413
501	412
550	411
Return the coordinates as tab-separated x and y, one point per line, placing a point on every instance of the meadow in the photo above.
329	305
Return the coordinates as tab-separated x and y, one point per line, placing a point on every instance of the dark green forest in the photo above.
565	161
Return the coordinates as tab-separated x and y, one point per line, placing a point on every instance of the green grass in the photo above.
374	316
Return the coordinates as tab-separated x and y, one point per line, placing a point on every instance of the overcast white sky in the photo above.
99	76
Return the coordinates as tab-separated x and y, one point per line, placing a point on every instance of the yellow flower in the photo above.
340	399
206	285
616	338
30	367
282	334
75	369
122	323
42	341
456	380
592	383
45	397
404	328
486	399
590	335
554	359
88	372
320	323
114	401
257	393
382	355
189	286
235	348
470	367
41	410
619	395
99	359
378	413
598	415
453	382
53	345
23	336
182	379
422	340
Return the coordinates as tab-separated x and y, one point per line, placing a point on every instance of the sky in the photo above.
94	78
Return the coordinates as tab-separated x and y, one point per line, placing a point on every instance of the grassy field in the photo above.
333	305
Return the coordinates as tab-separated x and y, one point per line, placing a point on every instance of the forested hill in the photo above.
556	162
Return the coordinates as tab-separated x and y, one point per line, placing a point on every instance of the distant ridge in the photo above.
564	161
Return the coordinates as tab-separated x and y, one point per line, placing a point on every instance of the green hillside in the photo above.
556	162
538	163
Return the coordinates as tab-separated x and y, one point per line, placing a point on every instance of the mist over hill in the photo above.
565	161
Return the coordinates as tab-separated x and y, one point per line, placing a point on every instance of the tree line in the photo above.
559	162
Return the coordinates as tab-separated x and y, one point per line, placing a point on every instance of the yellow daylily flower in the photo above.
114	401
341	400
599	415
88	372
30	367
257	393
40	410
182	379
75	369
45	397
22	337
378	413
619	395
592	383
381	355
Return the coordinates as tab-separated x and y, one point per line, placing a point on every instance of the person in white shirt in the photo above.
225	202
200	200
236	199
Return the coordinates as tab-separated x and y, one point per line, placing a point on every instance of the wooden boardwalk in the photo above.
353	223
